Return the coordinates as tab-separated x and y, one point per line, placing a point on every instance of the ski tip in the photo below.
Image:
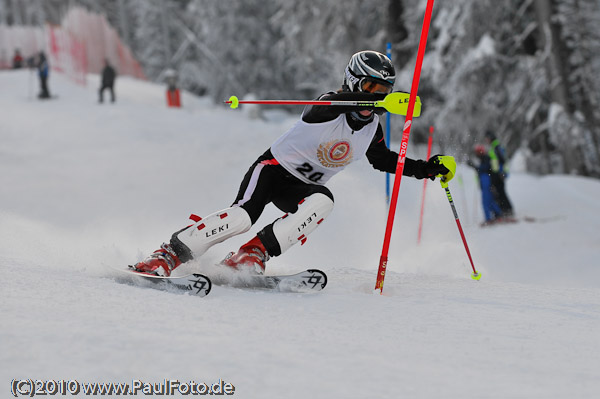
317	279
476	276
199	284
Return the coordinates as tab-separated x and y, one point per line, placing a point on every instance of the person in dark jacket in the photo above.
499	173
491	211
108	81
43	73
293	172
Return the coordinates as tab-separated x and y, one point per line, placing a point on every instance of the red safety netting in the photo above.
80	45
101	42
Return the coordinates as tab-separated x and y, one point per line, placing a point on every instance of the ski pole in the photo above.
388	127
383	259
444	182
396	103
30	85
429	142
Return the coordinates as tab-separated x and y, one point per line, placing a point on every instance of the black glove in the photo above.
434	167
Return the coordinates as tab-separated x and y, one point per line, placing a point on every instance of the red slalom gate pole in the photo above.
429	143
403	146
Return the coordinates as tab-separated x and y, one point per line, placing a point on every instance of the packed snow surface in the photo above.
88	187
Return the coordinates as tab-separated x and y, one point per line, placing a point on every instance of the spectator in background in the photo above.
491	210
499	173
17	62
43	72
108	81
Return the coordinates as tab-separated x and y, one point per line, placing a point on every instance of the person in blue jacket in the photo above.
43	71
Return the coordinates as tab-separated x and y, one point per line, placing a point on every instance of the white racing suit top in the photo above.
314	152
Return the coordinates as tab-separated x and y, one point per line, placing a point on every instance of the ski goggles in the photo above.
368	85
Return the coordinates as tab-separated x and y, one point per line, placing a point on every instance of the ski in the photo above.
527	219
501	221
533	219
195	284
311	280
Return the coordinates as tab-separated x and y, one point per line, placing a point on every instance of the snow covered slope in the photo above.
88	186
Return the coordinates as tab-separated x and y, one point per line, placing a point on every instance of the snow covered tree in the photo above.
531	77
577	22
287	49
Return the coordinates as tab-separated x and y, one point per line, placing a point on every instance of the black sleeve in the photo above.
324	113
386	160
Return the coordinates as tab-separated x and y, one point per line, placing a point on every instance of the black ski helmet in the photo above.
368	66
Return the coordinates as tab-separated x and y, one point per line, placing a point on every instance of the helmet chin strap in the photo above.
355	115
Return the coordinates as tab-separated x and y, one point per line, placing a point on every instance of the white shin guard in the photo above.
294	227
213	229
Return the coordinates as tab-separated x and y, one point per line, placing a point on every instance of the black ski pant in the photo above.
44	92
500	193
268	182
110	89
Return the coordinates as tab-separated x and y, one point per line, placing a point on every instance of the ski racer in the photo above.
293	172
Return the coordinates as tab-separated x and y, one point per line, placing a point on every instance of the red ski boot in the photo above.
251	256
160	263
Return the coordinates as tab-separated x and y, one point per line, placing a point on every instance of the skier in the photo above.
491	211
499	173
293	172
